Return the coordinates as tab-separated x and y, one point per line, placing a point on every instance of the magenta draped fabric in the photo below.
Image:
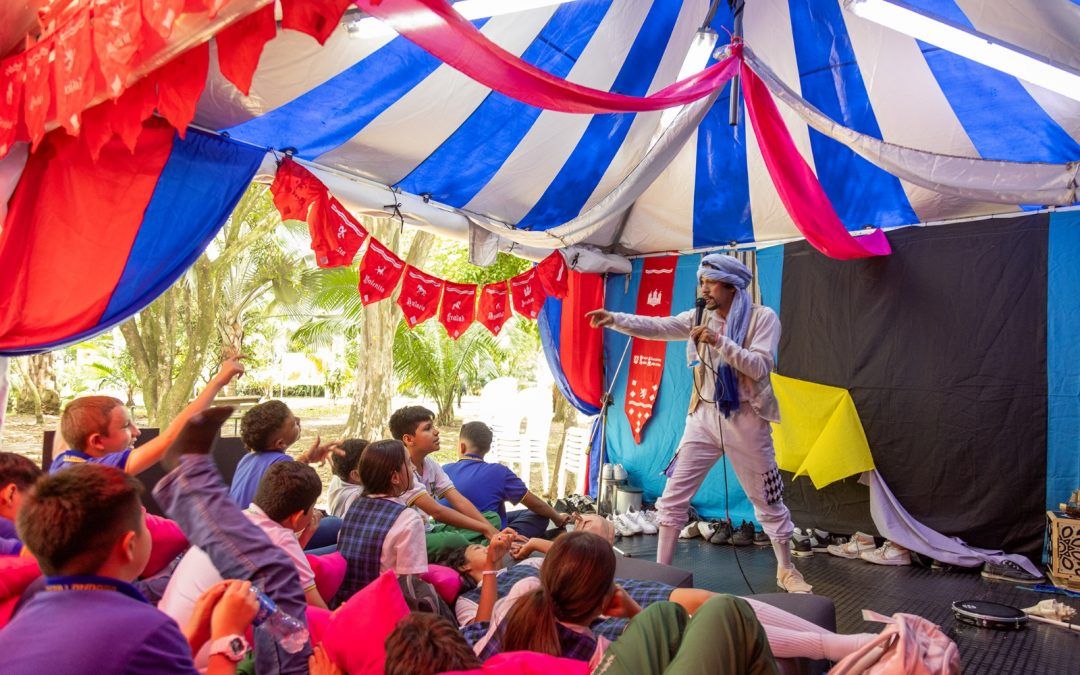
796	183
439	30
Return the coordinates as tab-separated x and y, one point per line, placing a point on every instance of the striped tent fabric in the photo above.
373	107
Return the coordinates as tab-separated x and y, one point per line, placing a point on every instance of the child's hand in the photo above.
497	549
235	611
622	605
198	626
562	519
320	663
522	551
319	453
231	367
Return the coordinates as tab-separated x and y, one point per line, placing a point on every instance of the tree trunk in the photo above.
373	389
564	414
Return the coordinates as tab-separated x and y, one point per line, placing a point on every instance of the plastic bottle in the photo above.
289	632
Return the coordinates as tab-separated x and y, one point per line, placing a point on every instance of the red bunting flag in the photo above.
180	84
241	43
554	274
12	73
37	94
528	293
96	128
420	295
160	15
317	18
647	356
135	106
494	310
336	235
214	6
117	36
71	70
295	189
458	309
380	271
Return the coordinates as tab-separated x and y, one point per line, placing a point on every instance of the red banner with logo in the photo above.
494	307
73	80
294	189
554	275
647	356
380	271
37	93
336	235
12	74
458	309
527	293
160	15
117	36
420	295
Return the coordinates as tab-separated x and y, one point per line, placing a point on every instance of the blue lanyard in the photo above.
90	582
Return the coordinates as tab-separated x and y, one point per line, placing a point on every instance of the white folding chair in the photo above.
539	410
575	458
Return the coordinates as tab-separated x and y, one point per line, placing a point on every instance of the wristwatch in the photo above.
232	646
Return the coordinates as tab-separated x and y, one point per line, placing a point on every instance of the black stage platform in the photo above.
854	585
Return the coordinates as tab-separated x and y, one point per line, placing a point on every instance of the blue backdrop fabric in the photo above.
1062	358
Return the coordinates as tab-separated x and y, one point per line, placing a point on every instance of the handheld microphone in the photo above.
699	311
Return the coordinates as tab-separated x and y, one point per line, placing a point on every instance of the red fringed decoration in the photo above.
117	36
214	6
71	70
336	235
527	293
317	18
420	294
96	128
180	84
295	189
458	310
134	107
380	271
647	356
493	310
553	275
12	75
241	44
37	94
160	15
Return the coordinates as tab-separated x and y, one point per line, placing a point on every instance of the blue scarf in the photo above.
728	270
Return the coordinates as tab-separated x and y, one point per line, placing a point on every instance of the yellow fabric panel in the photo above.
819	434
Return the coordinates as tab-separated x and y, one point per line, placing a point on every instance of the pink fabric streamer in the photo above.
796	183
439	30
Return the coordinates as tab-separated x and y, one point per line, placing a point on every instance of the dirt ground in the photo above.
23	435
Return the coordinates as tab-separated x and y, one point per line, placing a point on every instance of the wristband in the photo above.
487	572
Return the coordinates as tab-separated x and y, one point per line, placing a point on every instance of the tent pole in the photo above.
733	99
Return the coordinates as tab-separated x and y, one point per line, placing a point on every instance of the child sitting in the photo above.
268	430
426	644
460	523
101	430
85	526
488	486
345	484
380	533
284	509
17	475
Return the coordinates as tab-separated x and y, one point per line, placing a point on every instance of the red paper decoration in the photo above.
160	15
117	37
240	45
336	235
494	307
12	73
420	295
71	70
554	274
317	18
527	293
295	189
37	94
180	84
380	271
458	309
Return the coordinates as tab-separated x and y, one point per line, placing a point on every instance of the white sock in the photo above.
793	637
783	554
665	549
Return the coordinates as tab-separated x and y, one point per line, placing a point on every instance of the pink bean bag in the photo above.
356	633
167	542
447	582
329	572
16	573
527	663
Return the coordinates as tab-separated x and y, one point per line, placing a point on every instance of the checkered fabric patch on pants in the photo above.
774	486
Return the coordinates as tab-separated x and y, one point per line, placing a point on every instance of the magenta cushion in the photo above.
356	633
447	582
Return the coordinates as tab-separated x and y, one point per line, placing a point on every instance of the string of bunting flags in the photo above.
337	236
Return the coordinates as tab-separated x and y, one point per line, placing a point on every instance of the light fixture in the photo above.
371	28
697	57
970	44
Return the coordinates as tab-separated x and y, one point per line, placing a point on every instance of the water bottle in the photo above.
289	632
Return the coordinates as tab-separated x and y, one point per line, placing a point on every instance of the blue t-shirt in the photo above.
249	472
65	632
9	538
486	485
71	457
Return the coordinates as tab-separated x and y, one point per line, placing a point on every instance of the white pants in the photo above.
747	440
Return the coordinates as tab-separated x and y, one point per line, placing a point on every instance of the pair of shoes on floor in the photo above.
644	520
632	522
745	535
1007	570
575	504
791	580
859	542
889	554
803	542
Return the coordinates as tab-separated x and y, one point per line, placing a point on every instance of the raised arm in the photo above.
542	508
149	453
668	328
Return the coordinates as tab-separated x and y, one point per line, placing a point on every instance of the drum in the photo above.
989	614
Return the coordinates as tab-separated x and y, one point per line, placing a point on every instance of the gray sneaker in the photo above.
1009	571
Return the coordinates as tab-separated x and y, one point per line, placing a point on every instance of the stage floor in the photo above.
854	585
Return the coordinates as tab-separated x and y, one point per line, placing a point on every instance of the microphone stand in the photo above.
606	399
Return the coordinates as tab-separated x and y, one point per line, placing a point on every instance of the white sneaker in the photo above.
629	523
607	471
618	472
859	542
690	531
791	580
620	527
641	522
888	554
706	529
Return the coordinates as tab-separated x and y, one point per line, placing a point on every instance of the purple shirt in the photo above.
249	472
62	632
71	457
486	485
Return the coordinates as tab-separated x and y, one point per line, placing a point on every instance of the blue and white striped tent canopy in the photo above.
370	112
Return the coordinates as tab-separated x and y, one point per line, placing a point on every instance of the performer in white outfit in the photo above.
731	406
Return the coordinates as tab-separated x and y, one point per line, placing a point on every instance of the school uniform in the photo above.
489	486
430	478
89	623
249	472
379	533
68	458
340	495
9	538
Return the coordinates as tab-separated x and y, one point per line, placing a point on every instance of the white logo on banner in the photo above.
655	298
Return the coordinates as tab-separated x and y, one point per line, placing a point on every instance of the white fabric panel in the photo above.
539	156
646	125
662	219
407	132
997	181
1050	28
767	29
912	111
291	64
1061	109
